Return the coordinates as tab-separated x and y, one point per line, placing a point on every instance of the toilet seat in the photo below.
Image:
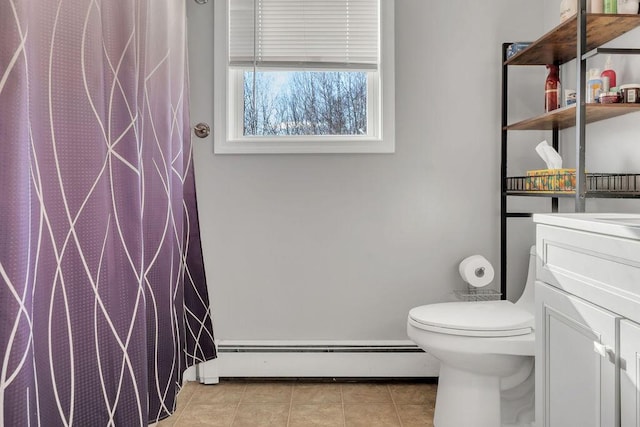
474	319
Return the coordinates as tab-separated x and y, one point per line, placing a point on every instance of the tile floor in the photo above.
302	404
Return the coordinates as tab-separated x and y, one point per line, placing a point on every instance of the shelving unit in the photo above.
579	37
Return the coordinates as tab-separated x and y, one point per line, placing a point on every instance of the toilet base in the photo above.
466	399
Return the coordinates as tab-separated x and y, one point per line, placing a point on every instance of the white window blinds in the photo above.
304	33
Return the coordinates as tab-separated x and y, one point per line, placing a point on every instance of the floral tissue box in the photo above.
551	180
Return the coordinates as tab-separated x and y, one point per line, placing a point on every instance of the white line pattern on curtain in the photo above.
103	298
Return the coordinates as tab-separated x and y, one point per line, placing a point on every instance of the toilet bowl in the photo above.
486	353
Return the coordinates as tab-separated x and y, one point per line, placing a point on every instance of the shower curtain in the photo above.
103	301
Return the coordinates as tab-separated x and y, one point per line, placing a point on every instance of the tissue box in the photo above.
551	180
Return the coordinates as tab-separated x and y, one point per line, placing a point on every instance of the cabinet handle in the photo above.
604	351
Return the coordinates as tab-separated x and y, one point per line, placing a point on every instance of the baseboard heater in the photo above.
319	348
256	359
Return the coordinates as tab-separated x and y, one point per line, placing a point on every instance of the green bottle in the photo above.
610	6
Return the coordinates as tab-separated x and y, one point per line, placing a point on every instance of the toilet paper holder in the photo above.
477	272
477	294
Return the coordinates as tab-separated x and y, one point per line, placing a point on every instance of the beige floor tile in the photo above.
316	393
186	392
167	422
262	415
415	415
206	415
268	404
407	394
366	393
371	415
225	392
320	415
267	393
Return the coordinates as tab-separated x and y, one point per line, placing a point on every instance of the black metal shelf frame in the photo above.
611	51
580	187
625	186
505	214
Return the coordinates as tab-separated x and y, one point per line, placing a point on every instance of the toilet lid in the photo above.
483	318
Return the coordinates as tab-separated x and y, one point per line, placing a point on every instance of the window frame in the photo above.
229	114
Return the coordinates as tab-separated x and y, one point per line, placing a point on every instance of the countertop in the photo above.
612	224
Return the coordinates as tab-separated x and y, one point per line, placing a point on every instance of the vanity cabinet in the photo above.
630	373
587	320
578	383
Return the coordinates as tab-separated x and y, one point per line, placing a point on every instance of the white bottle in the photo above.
594	86
595	6
568	8
628	7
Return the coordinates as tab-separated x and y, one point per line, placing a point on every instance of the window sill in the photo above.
304	146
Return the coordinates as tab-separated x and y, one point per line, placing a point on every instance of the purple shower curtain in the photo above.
103	301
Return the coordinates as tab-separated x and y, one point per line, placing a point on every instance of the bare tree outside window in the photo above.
305	103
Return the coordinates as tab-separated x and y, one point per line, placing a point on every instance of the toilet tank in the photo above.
526	300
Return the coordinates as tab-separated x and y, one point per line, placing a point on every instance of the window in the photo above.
304	76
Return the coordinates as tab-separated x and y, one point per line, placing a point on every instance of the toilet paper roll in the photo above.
476	270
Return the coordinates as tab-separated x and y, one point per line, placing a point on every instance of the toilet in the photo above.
485	350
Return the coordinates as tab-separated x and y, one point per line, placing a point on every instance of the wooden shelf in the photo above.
565	117
559	44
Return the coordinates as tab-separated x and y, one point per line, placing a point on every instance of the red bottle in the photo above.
552	89
608	72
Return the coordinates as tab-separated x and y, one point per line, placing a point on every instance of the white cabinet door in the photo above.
575	361
630	373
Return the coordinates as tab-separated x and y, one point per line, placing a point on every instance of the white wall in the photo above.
340	247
